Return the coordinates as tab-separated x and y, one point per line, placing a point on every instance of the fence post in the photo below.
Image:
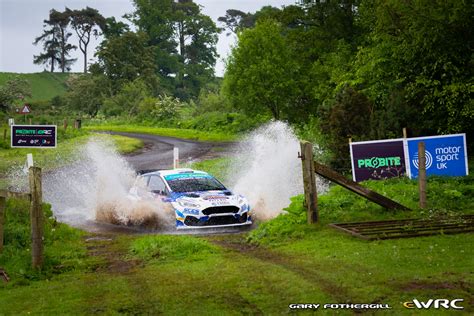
36	217
422	174
309	181
3	203
65	124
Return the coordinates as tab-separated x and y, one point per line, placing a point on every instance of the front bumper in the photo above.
213	221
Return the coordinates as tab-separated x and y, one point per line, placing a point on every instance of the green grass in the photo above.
280	262
125	145
218	167
64	248
170	132
44	85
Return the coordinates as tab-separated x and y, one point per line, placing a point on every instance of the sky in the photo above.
22	20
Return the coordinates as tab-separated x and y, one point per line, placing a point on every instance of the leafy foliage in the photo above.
261	72
13	90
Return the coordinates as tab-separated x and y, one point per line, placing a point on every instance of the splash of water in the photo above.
267	171
96	189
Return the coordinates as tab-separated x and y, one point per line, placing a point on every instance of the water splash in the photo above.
268	171
96	189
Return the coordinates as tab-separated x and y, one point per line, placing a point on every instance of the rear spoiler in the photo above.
140	172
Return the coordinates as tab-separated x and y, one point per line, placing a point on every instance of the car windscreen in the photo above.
195	184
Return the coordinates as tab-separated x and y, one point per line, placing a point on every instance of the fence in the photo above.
311	168
36	214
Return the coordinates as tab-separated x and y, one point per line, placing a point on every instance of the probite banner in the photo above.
377	160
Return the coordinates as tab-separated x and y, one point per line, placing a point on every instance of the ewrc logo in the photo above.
431	303
429	160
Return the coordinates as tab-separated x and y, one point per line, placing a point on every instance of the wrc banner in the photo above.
446	155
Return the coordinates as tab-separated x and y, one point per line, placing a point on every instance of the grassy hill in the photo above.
44	85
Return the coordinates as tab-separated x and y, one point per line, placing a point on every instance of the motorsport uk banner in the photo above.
446	155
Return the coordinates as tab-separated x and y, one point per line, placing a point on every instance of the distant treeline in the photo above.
333	69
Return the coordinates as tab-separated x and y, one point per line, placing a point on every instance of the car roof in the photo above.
164	173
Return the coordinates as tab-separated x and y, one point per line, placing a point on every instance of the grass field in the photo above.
44	85
171	132
282	261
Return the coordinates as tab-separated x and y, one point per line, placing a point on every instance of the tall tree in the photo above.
184	39
86	22
55	39
197	37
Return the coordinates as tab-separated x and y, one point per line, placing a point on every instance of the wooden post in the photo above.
175	158
30	121
309	181
3	203
65	124
77	124
422	174
404	132
36	217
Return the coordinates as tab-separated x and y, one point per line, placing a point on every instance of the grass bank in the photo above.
170	132
44	85
282	261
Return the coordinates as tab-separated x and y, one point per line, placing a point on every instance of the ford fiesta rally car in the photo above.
197	198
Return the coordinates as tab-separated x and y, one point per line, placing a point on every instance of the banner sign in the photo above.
446	155
377	160
33	136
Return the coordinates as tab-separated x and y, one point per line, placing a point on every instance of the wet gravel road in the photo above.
158	151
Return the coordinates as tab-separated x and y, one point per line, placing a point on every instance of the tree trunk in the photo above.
182	52
52	64
62	51
85	58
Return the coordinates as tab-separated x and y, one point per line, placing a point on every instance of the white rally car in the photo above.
197	198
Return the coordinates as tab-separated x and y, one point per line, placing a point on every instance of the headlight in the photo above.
187	204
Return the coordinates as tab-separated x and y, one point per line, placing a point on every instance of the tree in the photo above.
86	22
197	38
13	90
114	28
261	72
87	93
423	51
55	42
127	57
184	40
235	20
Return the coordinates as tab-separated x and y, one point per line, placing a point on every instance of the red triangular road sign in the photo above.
25	110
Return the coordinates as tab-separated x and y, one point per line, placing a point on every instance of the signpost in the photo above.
377	160
446	155
33	136
25	110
